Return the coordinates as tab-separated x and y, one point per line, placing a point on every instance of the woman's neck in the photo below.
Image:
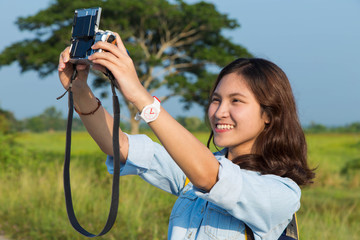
232	153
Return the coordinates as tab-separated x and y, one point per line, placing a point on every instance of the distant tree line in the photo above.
320	128
52	120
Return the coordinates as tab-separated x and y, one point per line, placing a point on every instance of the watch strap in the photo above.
155	106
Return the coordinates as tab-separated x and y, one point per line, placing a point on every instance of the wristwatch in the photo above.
149	112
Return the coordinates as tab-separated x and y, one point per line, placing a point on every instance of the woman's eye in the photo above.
215	100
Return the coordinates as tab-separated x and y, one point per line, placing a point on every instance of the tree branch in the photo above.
149	78
187	41
175	67
165	98
185	33
141	39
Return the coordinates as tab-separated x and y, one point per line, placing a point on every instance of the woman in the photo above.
253	180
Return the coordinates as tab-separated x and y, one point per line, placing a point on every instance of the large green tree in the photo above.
173	44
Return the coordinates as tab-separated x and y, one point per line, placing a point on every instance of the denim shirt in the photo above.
265	203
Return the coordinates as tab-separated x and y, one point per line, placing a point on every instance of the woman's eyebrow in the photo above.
235	94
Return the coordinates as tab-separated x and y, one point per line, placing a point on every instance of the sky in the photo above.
316	43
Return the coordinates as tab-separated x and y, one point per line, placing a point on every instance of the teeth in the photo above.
224	126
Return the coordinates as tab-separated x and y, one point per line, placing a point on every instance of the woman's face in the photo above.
235	115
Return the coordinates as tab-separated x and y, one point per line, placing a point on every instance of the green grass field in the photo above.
32	202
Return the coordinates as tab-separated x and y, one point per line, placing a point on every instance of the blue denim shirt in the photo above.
265	203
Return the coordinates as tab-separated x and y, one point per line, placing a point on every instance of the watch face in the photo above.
150	113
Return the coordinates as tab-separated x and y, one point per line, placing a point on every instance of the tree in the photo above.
8	122
50	119
171	44
316	128
354	127
4	124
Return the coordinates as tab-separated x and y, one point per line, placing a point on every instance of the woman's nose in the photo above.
222	111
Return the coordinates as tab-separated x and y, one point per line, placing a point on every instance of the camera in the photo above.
85	33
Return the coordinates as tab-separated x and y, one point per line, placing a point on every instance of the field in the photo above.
32	201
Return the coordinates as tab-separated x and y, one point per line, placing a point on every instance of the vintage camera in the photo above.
85	33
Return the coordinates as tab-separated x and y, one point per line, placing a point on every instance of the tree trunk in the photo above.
134	125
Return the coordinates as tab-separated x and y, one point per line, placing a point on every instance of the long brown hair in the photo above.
281	148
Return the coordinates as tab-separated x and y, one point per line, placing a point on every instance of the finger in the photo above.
120	43
61	62
66	54
64	59
107	47
103	64
113	48
105	56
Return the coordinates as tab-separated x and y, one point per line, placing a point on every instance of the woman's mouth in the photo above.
223	127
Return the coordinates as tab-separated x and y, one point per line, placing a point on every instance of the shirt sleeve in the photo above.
263	202
152	163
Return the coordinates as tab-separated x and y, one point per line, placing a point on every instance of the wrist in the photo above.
91	112
143	101
86	105
80	88
84	99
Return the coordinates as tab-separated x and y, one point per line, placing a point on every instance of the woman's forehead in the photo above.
233	84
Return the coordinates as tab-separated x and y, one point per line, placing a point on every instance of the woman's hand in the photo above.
66	70
115	58
201	167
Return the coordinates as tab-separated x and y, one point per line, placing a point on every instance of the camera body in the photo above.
85	33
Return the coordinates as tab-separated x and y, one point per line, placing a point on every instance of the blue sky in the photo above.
316	42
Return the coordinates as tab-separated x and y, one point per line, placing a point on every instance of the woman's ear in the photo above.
266	118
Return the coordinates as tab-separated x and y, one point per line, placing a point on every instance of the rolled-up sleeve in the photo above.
261	201
152	163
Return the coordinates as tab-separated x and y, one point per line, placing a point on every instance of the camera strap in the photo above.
116	176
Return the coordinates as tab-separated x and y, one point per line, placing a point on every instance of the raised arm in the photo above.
194	158
99	124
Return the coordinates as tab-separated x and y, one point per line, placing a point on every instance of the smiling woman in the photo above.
235	115
253	113
253	117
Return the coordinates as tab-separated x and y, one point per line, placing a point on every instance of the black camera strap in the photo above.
116	176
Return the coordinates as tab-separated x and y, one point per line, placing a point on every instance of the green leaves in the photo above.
164	40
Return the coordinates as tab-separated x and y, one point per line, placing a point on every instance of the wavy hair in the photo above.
281	147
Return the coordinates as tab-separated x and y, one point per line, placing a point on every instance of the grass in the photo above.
331	207
32	202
